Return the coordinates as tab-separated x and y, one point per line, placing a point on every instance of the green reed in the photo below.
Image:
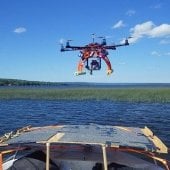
121	94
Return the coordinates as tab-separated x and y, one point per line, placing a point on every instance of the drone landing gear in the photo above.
80	73
109	72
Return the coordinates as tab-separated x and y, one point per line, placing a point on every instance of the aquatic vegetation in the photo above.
114	94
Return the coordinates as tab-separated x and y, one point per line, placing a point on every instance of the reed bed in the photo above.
123	94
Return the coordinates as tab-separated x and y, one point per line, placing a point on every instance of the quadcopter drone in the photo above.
92	54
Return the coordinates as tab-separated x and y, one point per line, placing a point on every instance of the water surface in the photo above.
18	113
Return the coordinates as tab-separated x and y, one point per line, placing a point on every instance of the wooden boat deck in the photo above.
111	136
87	144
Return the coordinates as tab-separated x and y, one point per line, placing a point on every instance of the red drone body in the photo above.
92	54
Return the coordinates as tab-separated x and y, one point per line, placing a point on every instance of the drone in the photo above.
92	54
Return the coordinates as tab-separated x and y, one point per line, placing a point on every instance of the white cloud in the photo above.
165	41
143	28
130	12
149	29
157	6
160	31
155	53
20	30
168	53
119	24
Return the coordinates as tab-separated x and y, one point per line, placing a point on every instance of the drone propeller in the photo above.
105	37
68	43
61	41
101	37
129	37
69	40
127	40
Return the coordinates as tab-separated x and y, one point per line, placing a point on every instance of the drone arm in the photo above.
73	48
65	49
113	47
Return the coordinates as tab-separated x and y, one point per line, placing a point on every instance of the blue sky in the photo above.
30	32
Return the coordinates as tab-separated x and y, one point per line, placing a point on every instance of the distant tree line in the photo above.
16	82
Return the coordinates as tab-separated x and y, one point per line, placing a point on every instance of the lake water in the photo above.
15	114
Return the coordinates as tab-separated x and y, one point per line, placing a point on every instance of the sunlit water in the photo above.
15	114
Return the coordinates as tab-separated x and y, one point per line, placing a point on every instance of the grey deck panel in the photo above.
33	136
90	134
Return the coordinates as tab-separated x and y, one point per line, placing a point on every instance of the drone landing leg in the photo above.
109	67
80	68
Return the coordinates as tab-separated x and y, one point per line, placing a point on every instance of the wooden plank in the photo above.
161	147
104	157
47	156
56	137
1	162
123	128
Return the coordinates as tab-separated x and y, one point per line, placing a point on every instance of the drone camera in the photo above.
96	64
